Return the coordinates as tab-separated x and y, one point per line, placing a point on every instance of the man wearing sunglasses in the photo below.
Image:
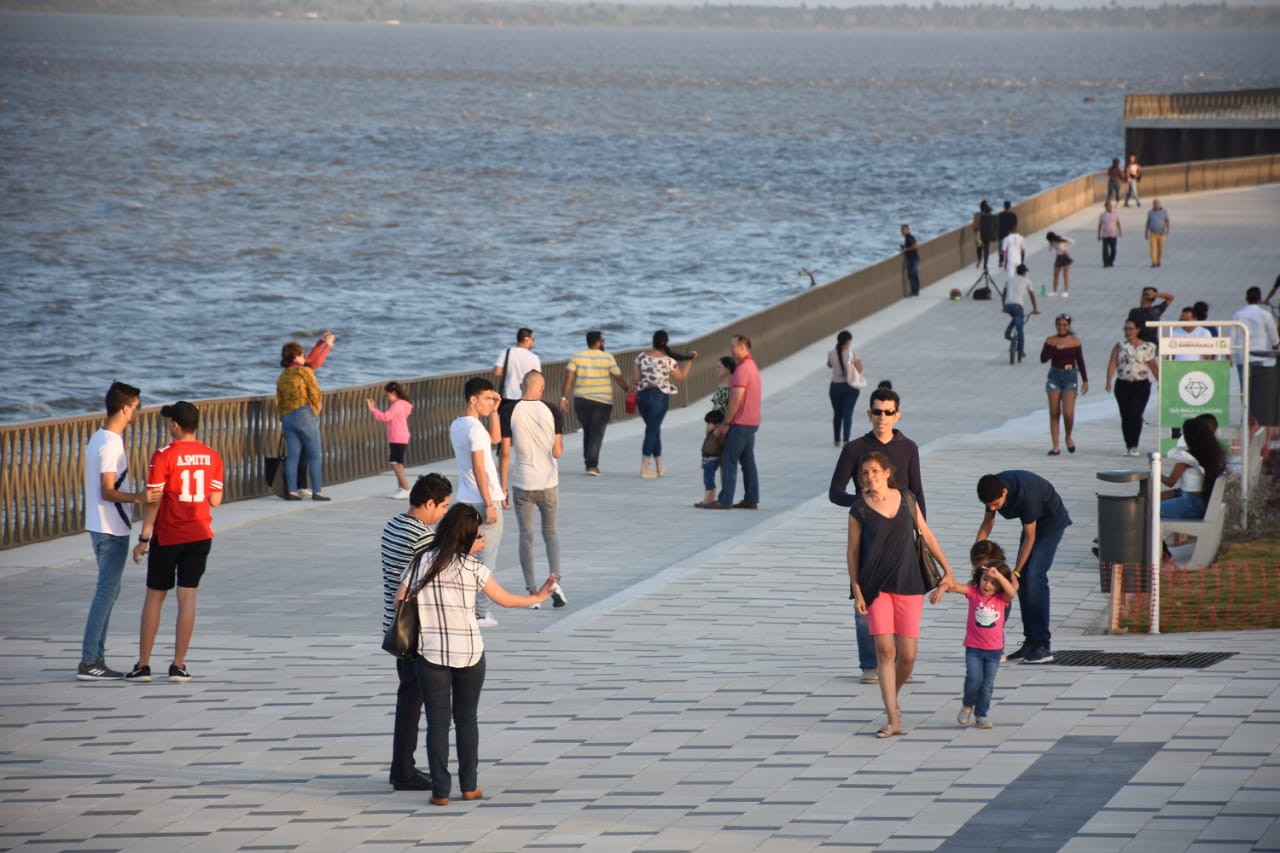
904	455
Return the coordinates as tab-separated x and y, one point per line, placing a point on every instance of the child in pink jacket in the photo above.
396	418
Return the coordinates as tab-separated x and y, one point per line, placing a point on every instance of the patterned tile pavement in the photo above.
699	692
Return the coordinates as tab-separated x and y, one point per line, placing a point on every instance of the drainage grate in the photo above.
1122	660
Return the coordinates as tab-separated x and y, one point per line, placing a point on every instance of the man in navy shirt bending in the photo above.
1032	500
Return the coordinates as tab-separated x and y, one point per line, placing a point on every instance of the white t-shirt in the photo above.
533	438
106	455
520	362
1018	288
1014	248
1262	334
1196	332
469	435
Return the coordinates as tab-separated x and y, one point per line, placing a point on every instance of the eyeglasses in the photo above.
883	413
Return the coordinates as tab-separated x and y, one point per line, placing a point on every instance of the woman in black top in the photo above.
884	572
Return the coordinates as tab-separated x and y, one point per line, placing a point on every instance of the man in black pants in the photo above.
404	538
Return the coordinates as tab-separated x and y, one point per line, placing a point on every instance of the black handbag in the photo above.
930	572
401	639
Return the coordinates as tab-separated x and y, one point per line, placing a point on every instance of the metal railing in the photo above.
1238	104
42	462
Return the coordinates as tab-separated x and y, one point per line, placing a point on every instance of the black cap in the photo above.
184	414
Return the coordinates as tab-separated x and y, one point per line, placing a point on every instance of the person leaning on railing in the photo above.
299	401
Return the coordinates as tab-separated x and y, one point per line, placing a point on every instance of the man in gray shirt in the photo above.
1157	229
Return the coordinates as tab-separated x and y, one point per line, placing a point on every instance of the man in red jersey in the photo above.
187	475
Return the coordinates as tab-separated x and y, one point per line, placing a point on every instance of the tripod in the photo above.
985	278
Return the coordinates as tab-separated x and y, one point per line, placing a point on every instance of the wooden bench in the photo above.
1207	530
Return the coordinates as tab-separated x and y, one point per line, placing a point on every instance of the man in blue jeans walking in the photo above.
108	505
1032	500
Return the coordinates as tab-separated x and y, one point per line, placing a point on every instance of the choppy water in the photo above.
181	196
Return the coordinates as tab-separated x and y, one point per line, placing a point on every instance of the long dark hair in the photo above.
455	534
399	392
1203	445
660	343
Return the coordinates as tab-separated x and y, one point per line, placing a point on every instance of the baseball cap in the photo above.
185	414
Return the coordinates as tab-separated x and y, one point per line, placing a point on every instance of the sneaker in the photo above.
1066	296
869	676
1133	451
1019	654
982	722
178	673
399	495
536	605
487	622
558	598
1040	654
140	674
593	472
97	672
963	717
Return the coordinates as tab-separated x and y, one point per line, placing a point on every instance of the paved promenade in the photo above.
699	693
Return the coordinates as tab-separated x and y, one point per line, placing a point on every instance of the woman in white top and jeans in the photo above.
843	395
451	667
652	378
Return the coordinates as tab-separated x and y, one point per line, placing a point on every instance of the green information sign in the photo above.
1190	388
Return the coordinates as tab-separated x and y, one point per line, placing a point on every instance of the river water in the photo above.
180	196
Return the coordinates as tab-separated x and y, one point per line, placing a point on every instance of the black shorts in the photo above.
184	562
397	453
1062	261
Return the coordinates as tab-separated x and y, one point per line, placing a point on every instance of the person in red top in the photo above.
187	475
741	422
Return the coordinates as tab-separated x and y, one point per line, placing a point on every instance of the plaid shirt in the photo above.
447	613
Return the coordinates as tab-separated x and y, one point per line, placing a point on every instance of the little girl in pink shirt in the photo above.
989	593
396	418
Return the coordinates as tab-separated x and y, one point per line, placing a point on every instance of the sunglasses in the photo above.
883	413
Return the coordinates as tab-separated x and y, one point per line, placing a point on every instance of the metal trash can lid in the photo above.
1123	475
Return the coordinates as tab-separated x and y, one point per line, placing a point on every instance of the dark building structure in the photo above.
1189	126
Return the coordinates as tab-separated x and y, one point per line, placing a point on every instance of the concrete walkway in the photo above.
699	692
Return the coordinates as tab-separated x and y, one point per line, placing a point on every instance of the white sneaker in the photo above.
487	622
1066	295
558	598
399	494
535	606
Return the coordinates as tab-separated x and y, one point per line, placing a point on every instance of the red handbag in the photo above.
630	404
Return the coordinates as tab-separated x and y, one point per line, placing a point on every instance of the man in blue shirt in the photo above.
1032	500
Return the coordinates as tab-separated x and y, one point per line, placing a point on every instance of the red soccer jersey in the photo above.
189	472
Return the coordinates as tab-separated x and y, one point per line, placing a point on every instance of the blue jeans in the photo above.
452	693
843	398
1033	591
1113	191
302	433
110	552
913	275
710	465
1017	312
547	502
866	645
652	403
1183	506
740	449
1132	193
980	668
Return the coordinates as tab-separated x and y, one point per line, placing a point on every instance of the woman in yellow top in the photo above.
298	399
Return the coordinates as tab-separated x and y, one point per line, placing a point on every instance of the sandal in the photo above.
885	732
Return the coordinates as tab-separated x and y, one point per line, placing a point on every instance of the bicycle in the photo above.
1012	335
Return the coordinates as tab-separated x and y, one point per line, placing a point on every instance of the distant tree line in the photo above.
984	16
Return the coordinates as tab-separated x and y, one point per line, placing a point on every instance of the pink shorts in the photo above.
892	613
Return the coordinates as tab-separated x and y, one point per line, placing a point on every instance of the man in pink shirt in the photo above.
741	422
1108	232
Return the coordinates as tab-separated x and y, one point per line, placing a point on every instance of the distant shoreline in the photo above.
733	16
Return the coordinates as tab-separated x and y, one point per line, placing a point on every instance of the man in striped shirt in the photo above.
404	538
588	374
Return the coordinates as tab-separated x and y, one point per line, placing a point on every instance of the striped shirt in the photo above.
591	370
403	538
447	613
